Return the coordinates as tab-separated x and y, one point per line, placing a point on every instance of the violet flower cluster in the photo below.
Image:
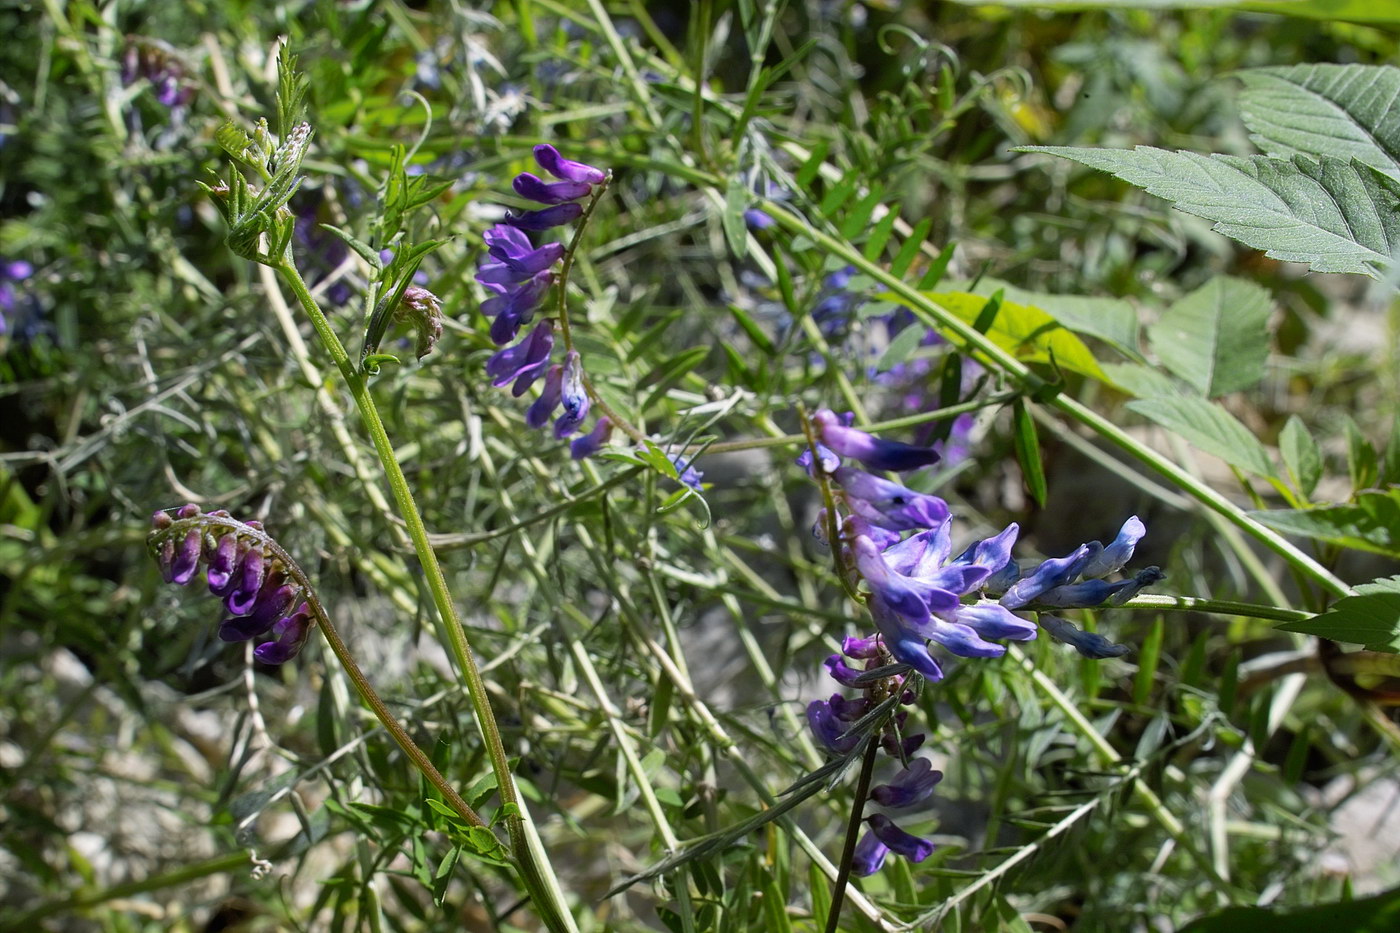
898	543
520	274
258	594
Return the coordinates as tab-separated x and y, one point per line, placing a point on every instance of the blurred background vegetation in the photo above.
152	778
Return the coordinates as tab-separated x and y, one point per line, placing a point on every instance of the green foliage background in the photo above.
645	648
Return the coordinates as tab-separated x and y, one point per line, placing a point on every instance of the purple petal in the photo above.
552	162
222	564
593	441
961	640
911	847
876	454
896	507
572	397
187	555
543	407
991	620
829	730
912	785
545	219
840	672
534	188
1054	572
289	635
1089	644
863	648
1114	557
869	855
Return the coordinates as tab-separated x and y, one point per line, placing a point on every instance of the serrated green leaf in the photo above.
1372	523
1208	427
1025	331
1301	455
1343	111
1217	337
1370	618
1337	216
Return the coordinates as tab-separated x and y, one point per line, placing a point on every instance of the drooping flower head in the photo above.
261	592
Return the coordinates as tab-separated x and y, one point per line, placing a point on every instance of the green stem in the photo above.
535	870
1218	607
848	851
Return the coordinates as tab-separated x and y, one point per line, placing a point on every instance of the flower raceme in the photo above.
257	587
519	274
897	542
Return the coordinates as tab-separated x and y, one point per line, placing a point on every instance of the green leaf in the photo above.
1028	451
1217	337
1208	427
1112	320
1390	458
1343	111
1025	331
1338	216
1142	381
1301	455
1372	523
1370	618
736	201
443	875
1362	463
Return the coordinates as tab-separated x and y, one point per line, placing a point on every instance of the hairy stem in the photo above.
535	870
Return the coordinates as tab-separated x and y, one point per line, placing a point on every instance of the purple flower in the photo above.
534	188
874	453
1051	573
757	219
520	259
911	847
1112	558
572	397
523	362
590	443
539	412
288	636
688	475
1089	644
828	729
912	785
869	855
545	219
890	505
552	162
